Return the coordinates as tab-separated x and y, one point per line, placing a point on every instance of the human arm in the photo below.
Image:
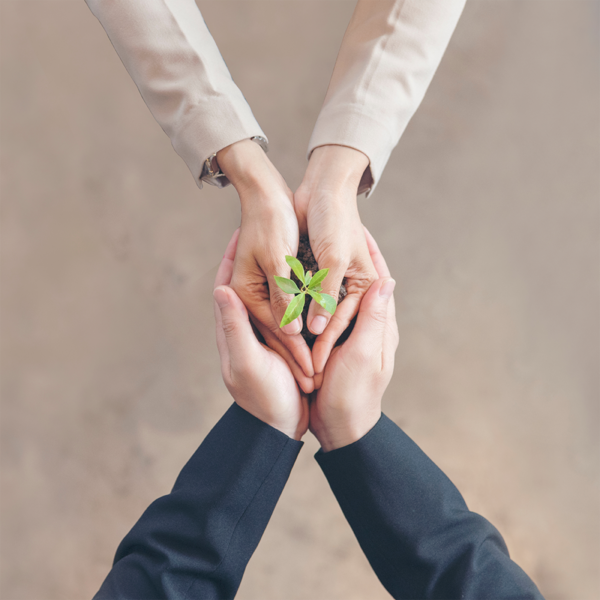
387	59
410	520
413	524
196	541
170	54
174	61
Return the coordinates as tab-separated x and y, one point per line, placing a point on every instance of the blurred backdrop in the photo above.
487	215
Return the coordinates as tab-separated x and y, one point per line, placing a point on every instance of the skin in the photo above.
272	219
349	402
326	207
257	377
269	232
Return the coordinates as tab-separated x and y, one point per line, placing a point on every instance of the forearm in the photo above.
387	60
198	539
180	73
413	524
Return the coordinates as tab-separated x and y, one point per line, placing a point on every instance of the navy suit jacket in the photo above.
412	523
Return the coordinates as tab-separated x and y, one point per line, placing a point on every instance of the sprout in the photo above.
311	284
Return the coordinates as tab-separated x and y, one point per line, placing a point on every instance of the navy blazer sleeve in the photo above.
414	526
196	541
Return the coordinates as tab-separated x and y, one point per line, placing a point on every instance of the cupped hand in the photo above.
258	378
326	207
269	232
347	404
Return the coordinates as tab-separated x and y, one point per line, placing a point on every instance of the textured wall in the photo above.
488	217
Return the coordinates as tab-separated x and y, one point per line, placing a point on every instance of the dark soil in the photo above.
306	257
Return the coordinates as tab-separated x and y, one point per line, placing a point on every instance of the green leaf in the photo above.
318	277
329	303
296	267
317	288
318	298
294	310
287	285
307	278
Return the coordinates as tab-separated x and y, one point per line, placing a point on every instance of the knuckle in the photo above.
230	327
279	302
251	290
272	264
379	315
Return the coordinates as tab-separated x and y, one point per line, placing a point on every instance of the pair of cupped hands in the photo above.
334	391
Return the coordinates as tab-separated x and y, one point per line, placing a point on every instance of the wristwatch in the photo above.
211	172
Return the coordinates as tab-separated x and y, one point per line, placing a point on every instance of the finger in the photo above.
318	380
376	256
221	342
254	296
240	341
224	278
305	383
345	312
318	318
367	337
226	267
279	299
391	336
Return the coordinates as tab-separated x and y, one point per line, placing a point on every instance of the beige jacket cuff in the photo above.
387	60
170	54
347	125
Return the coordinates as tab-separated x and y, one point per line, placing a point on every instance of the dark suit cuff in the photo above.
196	541
346	452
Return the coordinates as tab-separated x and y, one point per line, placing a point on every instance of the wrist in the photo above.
245	164
294	431
340	434
335	168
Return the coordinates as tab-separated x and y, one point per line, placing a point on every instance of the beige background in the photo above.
487	214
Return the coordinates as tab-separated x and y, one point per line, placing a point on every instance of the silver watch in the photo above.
211	172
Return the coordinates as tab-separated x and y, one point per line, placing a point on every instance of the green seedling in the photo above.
311	285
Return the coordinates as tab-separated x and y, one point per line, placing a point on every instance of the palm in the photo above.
266	237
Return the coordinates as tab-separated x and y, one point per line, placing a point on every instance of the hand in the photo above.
269	232
326	207
259	380
347	404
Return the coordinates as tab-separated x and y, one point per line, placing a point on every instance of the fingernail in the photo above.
294	327
220	295
318	324
387	289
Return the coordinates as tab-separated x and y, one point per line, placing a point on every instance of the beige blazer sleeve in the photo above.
180	73
387	60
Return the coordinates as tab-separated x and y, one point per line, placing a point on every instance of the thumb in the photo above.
234	332
372	316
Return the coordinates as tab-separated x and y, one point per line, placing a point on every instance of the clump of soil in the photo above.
307	258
